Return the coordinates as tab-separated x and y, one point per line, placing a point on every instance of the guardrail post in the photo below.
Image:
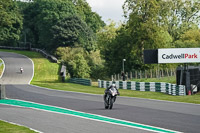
2	91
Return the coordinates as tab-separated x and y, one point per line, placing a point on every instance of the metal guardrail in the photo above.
81	81
45	54
168	88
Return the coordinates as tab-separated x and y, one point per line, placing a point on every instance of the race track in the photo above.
12	74
168	115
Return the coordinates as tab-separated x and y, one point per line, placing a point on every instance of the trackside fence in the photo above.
168	88
45	54
81	81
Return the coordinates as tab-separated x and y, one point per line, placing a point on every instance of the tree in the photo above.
180	16
75	60
119	48
41	15
190	39
106	35
145	25
10	22
79	66
72	31
96	64
92	19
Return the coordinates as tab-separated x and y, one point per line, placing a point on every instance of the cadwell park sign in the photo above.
172	55
179	55
185	75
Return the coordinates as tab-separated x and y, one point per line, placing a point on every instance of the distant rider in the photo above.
21	69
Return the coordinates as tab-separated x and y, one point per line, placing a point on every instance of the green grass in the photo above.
46	75
171	79
6	127
1	67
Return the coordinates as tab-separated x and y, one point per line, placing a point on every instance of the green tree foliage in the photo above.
54	23
41	15
180	16
72	31
106	35
10	22
111	42
145	29
120	48
92	19
79	66
74	58
190	39
80	63
96	64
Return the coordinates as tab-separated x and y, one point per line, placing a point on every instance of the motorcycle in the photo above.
110	97
21	70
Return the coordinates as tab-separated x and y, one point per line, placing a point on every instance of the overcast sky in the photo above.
108	9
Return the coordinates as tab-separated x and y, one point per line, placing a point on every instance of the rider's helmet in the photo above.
113	85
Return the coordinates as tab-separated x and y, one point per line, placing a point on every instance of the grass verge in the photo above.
46	75
12	128
171	79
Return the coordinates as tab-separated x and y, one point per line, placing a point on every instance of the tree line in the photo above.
150	24
90	48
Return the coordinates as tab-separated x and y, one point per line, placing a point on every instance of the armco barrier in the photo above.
167	88
48	56
81	81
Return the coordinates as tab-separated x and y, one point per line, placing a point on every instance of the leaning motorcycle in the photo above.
110	98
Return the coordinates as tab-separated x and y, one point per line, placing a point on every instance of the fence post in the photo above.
131	76
115	77
145	73
167	72
174	72
140	74
127	76
135	74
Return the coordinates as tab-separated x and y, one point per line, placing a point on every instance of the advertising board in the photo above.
179	55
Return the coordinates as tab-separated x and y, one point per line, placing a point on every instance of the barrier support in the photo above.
2	91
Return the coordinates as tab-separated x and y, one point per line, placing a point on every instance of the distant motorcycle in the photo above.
21	70
110	97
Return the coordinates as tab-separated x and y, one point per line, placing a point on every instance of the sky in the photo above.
108	9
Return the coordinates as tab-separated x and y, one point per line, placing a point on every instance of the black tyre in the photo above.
110	103
106	102
106	106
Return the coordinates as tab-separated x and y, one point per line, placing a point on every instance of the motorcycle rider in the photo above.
21	69
107	91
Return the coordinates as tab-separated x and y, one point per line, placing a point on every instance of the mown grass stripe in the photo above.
81	114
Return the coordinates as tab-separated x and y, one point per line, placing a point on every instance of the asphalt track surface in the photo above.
169	115
12	74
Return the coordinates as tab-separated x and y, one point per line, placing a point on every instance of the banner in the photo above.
179	55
